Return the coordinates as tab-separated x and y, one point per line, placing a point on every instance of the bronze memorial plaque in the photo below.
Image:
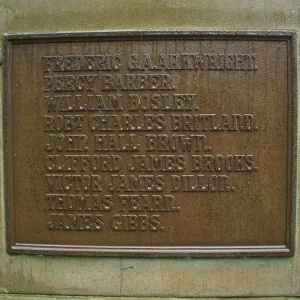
150	143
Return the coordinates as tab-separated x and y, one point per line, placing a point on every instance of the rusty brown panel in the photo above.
150	143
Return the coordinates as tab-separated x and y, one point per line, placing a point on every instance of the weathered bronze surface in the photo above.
174	144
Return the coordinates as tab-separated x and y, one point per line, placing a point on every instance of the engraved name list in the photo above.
90	123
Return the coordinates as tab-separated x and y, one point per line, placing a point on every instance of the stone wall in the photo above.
145	277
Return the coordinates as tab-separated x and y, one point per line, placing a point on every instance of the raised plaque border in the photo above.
158	251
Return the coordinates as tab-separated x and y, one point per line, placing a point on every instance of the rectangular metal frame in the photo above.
280	250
